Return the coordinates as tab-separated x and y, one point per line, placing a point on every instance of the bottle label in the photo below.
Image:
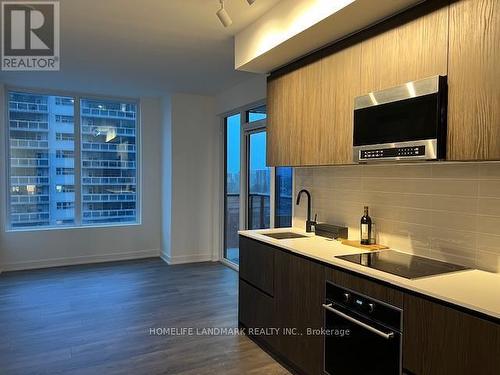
364	232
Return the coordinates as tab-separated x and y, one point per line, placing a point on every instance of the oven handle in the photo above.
386	336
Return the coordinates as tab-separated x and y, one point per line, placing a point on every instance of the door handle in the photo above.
386	336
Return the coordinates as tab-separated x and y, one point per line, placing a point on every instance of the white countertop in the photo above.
473	289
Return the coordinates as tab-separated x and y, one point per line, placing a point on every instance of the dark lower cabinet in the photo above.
441	340
281	290
299	295
256	312
285	298
257	264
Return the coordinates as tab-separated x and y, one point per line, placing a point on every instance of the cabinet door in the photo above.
339	86
293	109
474	80
406	51
441	340
300	286
257	264
255	311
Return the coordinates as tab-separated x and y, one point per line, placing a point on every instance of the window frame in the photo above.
246	128
77	96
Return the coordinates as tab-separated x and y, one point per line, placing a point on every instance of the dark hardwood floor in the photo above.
96	319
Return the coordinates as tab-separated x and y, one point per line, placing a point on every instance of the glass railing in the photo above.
88	214
27	107
259	211
29	180
31	144
29	199
118	130
29	125
108	113
88	198
108	180
110	164
28	162
114	147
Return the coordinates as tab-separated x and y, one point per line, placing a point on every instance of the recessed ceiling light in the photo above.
223	15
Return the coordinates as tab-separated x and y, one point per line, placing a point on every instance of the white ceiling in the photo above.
148	47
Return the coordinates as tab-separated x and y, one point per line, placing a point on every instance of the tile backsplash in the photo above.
447	211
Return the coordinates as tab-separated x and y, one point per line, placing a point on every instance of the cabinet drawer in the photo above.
257	264
255	309
367	287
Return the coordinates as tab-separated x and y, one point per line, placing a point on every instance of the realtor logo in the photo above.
30	38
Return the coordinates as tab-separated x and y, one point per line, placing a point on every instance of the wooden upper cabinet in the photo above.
310	111
474	81
339	86
406	51
293	115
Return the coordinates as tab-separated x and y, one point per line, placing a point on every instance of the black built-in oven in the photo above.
406	122
363	336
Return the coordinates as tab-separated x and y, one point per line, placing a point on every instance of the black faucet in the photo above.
309	223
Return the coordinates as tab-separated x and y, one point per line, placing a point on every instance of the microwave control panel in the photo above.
393	152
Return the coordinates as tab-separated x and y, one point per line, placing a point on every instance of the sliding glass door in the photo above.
259	181
232	187
255	195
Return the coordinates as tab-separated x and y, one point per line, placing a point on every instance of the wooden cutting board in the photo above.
364	247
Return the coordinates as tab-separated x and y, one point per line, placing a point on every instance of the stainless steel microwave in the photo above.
406	122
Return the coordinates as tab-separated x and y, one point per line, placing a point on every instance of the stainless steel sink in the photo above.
284	235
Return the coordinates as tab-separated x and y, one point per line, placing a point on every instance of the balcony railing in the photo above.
113	147
108	164
28	162
90	198
108	214
29	180
29	218
27	107
29	125
259	209
108	113
28	144
91	130
28	199
108	180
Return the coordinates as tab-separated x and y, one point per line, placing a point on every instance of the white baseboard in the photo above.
70	261
183	259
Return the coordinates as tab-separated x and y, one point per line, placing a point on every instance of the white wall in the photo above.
191	189
33	249
247	92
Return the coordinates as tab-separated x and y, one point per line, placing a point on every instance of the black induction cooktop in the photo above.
402	264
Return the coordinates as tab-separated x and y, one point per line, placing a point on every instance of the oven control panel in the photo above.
363	305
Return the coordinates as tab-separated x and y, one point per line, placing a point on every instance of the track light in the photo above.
224	16
250	2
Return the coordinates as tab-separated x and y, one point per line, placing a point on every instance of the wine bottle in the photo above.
366	228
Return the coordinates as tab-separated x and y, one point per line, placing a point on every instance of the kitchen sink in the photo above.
284	235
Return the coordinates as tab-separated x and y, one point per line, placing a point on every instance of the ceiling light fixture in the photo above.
250	2
223	15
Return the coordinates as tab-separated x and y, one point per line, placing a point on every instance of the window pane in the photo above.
283	209
37	142
232	199
108	161
257	114
258	183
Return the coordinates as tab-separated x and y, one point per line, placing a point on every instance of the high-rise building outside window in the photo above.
54	155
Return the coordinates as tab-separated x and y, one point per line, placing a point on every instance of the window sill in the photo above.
44	229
